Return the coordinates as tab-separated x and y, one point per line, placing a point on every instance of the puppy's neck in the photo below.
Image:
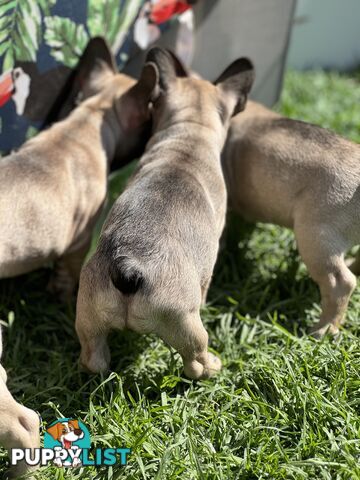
90	124
191	134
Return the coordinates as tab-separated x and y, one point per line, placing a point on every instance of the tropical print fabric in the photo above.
42	40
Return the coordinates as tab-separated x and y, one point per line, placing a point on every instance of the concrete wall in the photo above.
326	34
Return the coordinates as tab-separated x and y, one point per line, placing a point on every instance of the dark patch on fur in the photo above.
223	112
307	131
133	148
128	280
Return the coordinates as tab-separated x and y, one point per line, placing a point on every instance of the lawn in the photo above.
284	406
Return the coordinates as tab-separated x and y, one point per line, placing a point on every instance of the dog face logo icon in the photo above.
68	437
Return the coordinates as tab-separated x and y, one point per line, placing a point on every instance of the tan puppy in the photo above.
19	426
303	177
54	187
158	246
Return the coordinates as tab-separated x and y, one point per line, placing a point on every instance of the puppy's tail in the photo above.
126	276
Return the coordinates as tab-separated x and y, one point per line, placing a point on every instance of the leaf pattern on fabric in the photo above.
106	17
63	27
103	18
109	18
21	29
66	39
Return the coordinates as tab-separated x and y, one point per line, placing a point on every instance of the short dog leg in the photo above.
325	261
95	354
98	311
19	428
336	289
189	337
65	277
92	332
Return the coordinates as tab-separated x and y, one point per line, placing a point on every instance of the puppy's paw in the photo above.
214	365
329	329
207	368
94	364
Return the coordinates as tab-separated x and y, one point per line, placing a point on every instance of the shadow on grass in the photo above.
41	349
253	276
261	279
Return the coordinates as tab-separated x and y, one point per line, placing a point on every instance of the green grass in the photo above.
284	406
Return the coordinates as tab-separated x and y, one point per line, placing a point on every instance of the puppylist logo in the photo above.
67	443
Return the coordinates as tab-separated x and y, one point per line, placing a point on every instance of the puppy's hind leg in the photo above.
98	311
322	251
186	333
65	277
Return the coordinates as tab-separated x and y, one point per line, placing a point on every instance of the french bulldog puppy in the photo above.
19	426
54	187
158	246
306	178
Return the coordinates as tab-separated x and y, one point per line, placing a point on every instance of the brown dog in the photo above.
19	426
158	246
54	187
303	177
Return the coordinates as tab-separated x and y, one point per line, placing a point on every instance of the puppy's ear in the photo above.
135	104
96	64
163	61
235	84
148	83
180	69
54	431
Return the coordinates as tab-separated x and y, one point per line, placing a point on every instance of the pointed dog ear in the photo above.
163	61
96	64
54	431
180	69
148	83
235	84
134	106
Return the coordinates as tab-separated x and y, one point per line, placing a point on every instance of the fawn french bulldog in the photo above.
306	178
54	187
19	426
158	246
